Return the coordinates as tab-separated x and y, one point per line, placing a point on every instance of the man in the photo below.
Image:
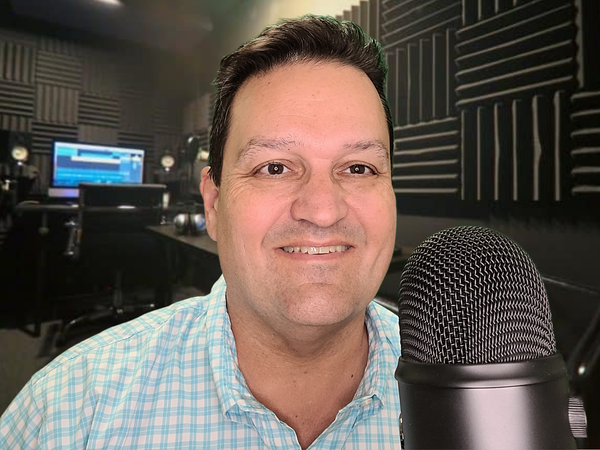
287	351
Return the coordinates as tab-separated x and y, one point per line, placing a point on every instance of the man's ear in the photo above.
210	195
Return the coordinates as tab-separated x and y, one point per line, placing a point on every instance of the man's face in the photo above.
305	217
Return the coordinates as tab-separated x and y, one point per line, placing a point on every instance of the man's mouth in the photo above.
317	250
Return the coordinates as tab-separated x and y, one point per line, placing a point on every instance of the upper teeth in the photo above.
317	250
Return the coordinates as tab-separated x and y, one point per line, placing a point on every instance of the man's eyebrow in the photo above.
256	144
382	152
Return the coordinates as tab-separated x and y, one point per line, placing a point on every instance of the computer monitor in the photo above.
76	162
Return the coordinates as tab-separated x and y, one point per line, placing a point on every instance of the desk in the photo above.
46	211
200	248
45	208
201	242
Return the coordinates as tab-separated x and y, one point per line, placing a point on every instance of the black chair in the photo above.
110	242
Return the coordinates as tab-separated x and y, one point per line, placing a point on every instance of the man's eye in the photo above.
274	168
359	169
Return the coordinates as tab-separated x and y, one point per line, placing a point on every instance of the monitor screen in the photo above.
74	163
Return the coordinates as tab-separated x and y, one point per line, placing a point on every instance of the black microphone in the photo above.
479	366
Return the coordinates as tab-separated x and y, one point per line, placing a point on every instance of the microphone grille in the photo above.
470	295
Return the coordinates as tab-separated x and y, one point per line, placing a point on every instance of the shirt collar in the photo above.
230	383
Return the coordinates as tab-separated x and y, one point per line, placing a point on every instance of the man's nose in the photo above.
321	201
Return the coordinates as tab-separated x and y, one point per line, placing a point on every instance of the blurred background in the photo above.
497	123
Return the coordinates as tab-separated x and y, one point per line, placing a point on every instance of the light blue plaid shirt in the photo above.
170	380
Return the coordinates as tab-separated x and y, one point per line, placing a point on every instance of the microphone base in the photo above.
519	405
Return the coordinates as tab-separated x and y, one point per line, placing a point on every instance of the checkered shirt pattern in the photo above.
170	380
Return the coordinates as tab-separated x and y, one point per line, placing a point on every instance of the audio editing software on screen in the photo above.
83	163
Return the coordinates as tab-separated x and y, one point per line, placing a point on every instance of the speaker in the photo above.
15	147
168	161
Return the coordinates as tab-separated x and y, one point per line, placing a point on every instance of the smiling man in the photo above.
288	350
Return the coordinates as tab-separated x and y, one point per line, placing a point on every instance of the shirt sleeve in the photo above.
53	411
21	423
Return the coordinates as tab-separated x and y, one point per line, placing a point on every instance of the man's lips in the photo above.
313	250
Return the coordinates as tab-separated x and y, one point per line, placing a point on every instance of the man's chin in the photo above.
322	310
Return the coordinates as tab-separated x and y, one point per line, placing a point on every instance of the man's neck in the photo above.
306	377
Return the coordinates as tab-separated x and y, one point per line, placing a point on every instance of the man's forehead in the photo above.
275	92
281	72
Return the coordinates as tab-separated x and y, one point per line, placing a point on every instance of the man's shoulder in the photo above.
137	372
133	342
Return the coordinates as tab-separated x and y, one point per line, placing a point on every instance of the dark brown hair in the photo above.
306	39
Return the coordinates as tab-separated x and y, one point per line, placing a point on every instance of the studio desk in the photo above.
198	247
191	258
44	215
47	220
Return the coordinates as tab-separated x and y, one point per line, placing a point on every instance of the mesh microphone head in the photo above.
470	295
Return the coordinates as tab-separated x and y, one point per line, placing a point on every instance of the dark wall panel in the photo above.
56	104
59	89
44	133
16	98
95	110
15	123
518	82
427	160
17	62
58	69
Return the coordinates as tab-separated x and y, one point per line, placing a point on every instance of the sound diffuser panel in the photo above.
56	104
101	111
16	99
45	133
495	102
15	123
527	50
585	172
408	21
427	158
58	70
17	62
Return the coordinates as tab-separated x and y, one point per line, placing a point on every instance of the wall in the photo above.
61	88
497	112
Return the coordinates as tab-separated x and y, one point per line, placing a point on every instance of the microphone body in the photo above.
517	405
479	366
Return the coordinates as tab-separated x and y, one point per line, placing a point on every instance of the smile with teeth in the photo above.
317	250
